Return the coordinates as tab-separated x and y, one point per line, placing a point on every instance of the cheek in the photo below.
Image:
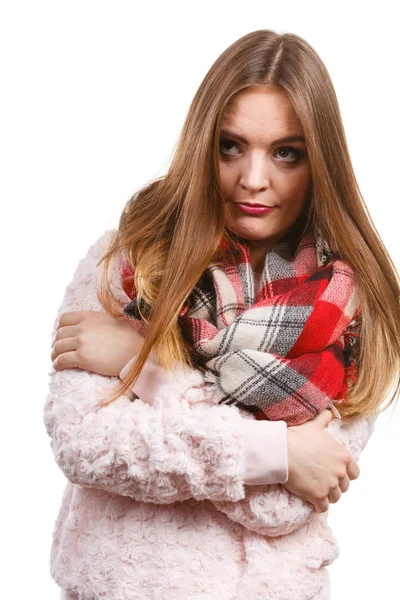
294	187
226	177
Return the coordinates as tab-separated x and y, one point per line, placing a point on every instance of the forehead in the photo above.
258	107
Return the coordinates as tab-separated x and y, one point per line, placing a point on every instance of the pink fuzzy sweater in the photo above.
172	497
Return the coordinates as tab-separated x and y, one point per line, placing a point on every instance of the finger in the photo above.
67	360
322	505
61	346
71	317
65	332
334	495
344	483
324	417
353	470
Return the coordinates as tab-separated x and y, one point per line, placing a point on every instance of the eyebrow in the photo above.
288	138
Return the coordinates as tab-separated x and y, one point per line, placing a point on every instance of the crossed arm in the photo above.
171	451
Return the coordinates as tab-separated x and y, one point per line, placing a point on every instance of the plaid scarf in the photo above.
285	353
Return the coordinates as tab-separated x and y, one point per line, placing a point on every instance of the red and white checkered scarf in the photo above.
285	354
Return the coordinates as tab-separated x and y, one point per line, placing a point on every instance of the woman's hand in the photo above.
94	341
320	468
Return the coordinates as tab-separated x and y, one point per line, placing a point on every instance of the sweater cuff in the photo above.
151	378
266	452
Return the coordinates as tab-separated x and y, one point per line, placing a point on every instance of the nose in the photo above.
255	175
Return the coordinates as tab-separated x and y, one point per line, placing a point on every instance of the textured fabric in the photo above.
154	506
269	352
271	436
64	595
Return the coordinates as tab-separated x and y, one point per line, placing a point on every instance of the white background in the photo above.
93	96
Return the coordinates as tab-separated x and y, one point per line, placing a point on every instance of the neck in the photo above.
259	248
257	256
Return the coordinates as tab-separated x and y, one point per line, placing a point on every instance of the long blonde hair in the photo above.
170	228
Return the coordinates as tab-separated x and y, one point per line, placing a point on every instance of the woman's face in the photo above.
258	167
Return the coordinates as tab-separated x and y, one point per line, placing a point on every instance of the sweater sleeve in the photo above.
265	442
267	508
272	510
161	453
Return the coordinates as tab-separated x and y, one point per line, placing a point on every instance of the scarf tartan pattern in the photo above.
284	353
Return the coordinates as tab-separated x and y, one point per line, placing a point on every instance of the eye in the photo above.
224	144
297	153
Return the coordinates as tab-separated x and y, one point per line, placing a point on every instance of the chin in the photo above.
250	233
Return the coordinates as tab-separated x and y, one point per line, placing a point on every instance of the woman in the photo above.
203	486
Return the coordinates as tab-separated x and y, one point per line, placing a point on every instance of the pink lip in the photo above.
254	209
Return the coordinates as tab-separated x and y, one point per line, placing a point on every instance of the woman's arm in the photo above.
161	454
266	509
272	510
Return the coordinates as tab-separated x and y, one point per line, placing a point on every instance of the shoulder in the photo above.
101	243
